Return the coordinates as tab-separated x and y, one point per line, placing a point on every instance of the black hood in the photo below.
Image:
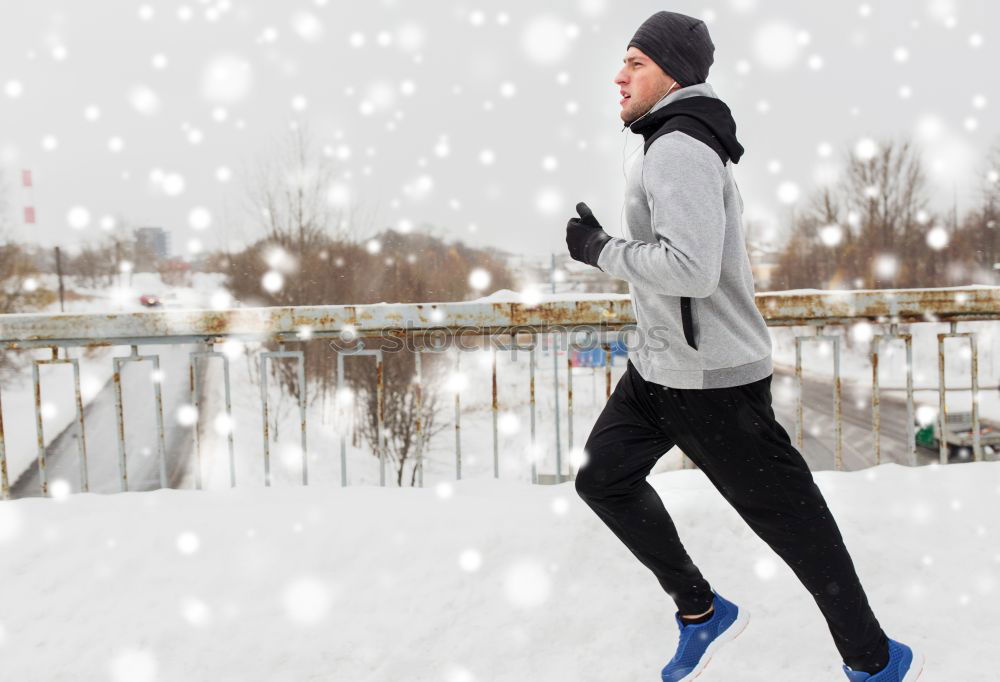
711	111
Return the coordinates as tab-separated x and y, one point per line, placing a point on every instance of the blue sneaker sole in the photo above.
731	633
916	666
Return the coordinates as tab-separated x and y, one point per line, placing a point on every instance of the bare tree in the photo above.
289	193
309	245
20	290
401	414
978	240
98	264
879	210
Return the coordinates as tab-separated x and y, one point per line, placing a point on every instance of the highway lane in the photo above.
857	428
62	460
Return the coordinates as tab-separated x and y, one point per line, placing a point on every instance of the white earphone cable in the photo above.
628	126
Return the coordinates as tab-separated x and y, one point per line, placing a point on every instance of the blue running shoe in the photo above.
904	666
698	641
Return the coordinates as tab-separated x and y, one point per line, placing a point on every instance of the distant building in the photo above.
152	245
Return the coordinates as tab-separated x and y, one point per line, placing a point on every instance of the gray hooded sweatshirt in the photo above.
684	238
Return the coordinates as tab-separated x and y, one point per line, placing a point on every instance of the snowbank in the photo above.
471	581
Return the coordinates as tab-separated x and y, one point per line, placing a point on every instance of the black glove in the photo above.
585	237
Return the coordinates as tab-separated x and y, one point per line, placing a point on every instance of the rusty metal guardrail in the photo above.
608	313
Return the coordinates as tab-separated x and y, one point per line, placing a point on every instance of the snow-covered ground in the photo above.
462	581
471	581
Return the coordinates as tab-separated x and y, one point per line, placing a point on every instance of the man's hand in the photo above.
585	237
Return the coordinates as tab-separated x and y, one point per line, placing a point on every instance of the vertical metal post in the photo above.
555	395
569	408
120	414
192	382
798	395
299	356
531	384
496	407
82	441
838	422
4	481
161	438
380	448
342	422
423	435
909	400
418	399
607	372
977	452
942	402
38	429
838	456
120	423
380	416
303	399
458	417
231	425
81	444
555	383
267	434
876	393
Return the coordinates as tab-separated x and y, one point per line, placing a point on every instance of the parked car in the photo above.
958	436
150	301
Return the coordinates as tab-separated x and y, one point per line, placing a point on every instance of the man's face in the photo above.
641	83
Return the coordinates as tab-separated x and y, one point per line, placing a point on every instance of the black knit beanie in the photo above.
679	44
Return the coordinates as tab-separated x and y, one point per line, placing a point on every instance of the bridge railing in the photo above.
578	321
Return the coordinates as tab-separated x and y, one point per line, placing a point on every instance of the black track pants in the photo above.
734	438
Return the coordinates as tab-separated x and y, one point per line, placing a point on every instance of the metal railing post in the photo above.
379	411
194	383
119	362
838	457
4	481
876	394
81	441
300	358
977	451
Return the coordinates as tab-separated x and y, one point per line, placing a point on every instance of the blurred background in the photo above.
168	126
220	154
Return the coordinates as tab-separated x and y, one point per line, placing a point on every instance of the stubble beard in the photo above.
633	110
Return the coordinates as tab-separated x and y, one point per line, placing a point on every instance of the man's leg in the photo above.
623	446
733	436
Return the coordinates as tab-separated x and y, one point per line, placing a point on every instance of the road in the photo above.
62	460
818	447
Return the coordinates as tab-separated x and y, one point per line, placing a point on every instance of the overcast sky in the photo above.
487	119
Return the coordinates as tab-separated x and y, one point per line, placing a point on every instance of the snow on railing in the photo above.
600	317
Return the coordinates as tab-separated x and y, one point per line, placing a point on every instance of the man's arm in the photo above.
683	180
